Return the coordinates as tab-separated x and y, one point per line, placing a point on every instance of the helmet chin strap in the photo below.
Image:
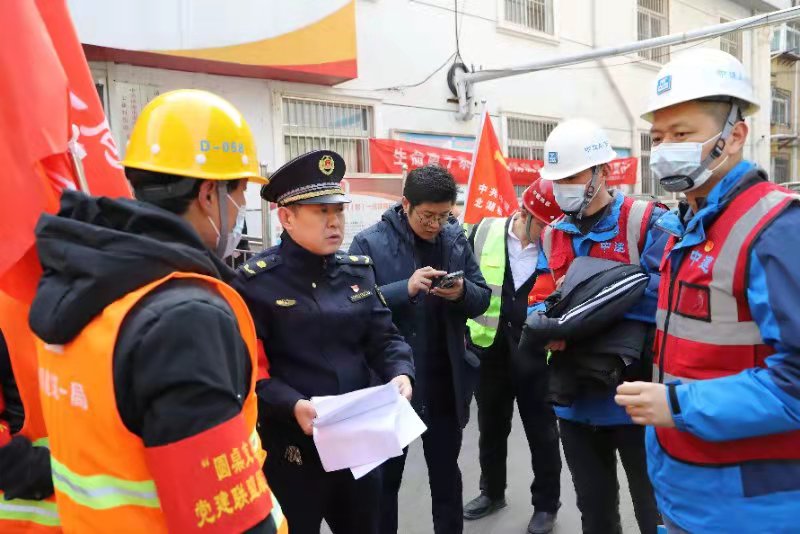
590	192
528	227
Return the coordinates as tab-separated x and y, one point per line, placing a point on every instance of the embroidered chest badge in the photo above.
360	296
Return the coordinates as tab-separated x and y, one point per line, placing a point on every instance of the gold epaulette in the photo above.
259	264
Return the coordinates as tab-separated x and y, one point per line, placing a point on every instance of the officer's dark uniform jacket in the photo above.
324	326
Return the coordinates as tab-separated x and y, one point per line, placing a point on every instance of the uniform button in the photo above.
314	285
508	324
413	334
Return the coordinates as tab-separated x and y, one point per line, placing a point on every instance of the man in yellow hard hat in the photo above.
149	365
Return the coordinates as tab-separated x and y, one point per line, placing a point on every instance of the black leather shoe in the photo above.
481	506
542	522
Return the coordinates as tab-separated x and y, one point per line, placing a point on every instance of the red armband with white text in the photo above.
211	482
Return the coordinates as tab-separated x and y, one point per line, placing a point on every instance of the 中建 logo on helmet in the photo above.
664	84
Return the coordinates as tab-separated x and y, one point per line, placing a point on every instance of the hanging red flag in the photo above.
49	108
490	192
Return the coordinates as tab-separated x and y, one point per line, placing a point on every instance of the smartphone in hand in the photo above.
449	280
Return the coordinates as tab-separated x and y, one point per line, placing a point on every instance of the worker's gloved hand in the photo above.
25	470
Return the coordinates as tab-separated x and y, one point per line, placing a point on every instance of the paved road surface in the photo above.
415	503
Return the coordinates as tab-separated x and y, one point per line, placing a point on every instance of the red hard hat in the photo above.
538	199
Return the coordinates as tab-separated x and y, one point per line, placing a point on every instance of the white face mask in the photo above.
675	164
569	197
235	235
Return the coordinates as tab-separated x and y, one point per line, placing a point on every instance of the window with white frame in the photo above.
650	185
793	36
653	21
536	15
731	42
317	124
781	106
526	137
780	170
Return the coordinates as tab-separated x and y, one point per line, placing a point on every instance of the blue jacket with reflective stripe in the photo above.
602	410
758	496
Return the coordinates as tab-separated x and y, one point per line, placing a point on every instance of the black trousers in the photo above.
307	494
591	453
506	375
441	444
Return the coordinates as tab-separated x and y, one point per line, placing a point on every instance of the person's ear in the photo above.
208	198
737	138
286	217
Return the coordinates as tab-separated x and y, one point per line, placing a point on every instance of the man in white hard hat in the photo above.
725	453
602	224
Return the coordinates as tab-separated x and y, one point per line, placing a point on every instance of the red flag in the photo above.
490	192
47	104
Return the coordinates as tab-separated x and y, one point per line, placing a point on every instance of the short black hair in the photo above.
431	183
168	191
720	109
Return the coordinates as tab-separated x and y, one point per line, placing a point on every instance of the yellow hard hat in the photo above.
195	134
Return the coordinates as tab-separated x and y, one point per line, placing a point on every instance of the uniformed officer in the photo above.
326	330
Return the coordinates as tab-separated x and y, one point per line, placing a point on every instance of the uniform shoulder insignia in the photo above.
346	259
259	264
381	297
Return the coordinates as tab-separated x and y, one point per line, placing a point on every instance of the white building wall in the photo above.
400	42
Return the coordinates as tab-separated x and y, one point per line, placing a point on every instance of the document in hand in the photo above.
363	429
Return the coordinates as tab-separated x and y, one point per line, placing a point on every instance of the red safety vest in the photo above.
625	247
706	329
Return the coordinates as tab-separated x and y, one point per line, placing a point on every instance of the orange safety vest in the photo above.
100	472
20	515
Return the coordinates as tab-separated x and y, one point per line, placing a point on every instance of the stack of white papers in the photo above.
361	430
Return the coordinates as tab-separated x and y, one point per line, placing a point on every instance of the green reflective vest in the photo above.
490	250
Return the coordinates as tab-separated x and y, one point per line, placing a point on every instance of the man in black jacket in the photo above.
413	246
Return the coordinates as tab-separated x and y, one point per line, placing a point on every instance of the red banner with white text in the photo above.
389	155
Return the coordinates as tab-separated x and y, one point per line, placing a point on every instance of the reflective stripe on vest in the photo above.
101	492
744	333
490	249
636	222
40	512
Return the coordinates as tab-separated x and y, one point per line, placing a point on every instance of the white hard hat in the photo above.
574	146
702	73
